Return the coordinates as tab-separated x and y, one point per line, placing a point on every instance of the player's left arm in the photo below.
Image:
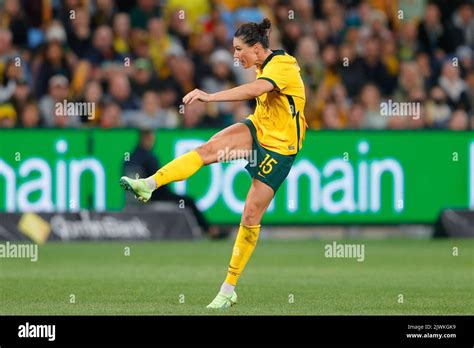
247	91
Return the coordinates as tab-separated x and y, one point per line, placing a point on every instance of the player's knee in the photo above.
207	153
252	214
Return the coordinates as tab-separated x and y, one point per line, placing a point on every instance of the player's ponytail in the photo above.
251	33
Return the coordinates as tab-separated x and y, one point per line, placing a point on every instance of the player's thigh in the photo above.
236	137
258	199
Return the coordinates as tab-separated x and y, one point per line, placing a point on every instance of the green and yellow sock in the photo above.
178	169
244	246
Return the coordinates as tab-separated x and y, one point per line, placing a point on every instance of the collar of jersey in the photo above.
269	58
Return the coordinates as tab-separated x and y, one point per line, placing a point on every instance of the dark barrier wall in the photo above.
143	224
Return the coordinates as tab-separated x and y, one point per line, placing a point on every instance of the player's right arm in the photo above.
247	91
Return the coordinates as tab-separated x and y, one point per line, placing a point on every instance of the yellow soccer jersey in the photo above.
279	115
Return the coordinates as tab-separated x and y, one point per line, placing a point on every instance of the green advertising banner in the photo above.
338	178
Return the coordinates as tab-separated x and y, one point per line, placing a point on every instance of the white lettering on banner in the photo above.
335	186
232	201
10	185
61	173
66	175
42	184
344	184
77	168
300	169
99	227
377	169
321	196
363	178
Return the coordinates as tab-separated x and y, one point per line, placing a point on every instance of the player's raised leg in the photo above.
232	138
256	203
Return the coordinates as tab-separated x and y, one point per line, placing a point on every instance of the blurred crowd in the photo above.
135	60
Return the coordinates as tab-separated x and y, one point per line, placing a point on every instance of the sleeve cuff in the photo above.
269	80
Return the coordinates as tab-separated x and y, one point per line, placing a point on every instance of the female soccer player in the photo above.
274	134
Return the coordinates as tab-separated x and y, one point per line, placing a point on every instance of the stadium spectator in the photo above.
30	115
122	33
183	75
56	32
459	120
13	16
417	118
397	122
408	41
54	63
412	10
22	95
79	33
111	116
351	69
331	118
8	81
426	70
470	87
195	116
454	86
375	71
8	116
437	110
221	77
143	77
355	116
104	13
7	51
370	97
58	93
174	46
308	59
431	35
460	29
410	79
120	92
103	51
93	93
143	12
151	116
161	44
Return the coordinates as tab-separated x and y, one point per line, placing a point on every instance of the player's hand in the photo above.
196	94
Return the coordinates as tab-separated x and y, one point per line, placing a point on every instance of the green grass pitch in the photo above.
282	278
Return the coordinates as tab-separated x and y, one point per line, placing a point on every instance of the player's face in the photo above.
244	53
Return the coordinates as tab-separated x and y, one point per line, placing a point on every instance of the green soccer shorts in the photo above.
271	167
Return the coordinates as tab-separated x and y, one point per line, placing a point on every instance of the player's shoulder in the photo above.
281	58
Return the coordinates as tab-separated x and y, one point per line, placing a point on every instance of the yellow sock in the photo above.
243	248
178	169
